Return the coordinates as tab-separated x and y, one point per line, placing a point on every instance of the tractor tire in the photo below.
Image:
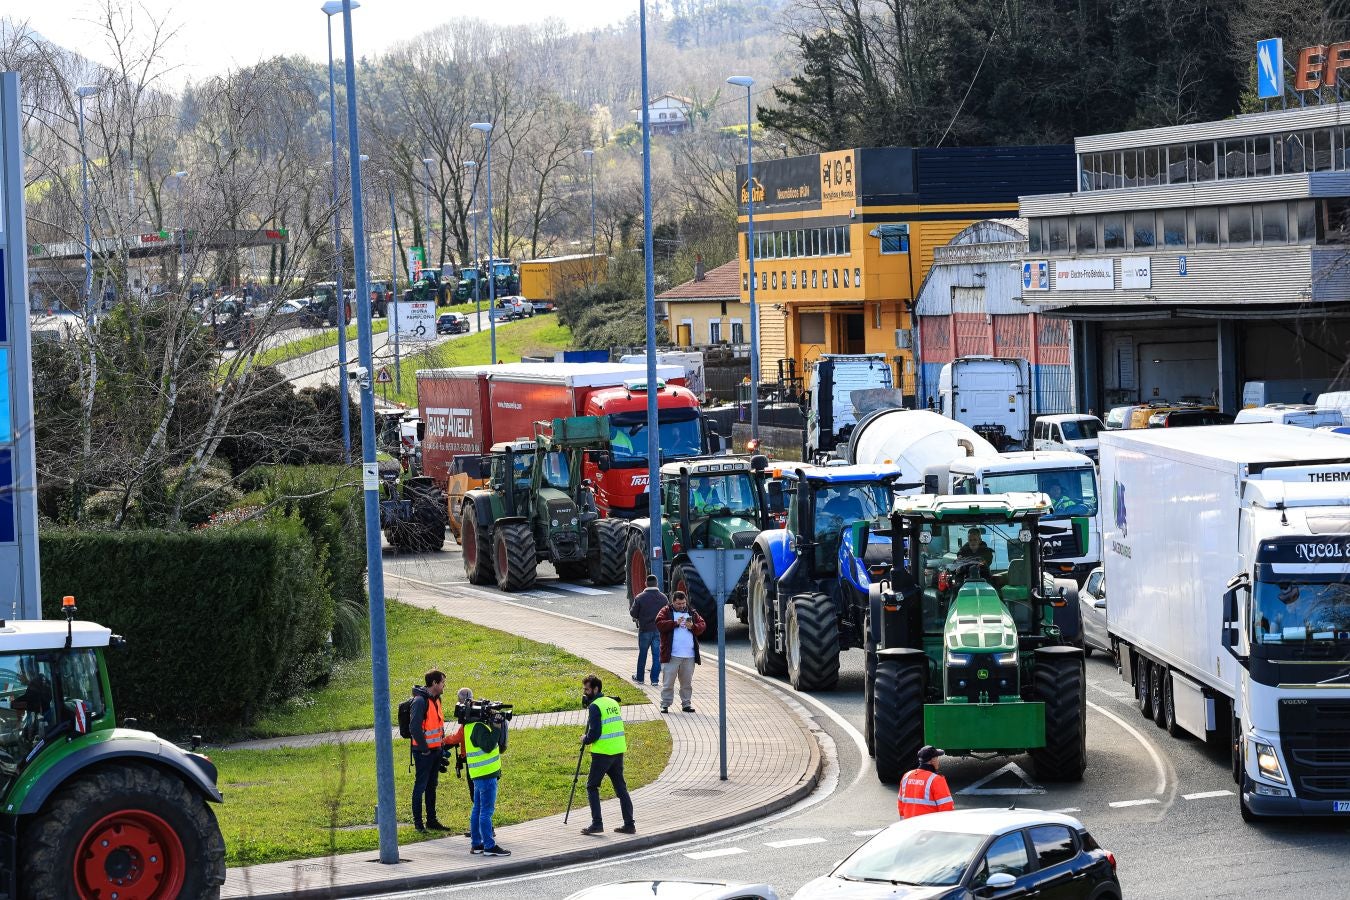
477	552
869	712
609	539
684	577
1061	684
148	829
761	601
635	568
1158	688
514	558
897	717
813	643
571	571
429	521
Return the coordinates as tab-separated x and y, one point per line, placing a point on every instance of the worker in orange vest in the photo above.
923	790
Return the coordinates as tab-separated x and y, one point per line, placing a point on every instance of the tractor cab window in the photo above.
945	555
27	708
80	681
840	505
557	470
522	465
724	495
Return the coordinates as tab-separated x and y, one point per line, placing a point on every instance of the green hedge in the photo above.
217	620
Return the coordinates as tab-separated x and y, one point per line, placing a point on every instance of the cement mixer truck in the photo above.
914	440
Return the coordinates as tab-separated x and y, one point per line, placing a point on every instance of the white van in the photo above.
1072	432
1302	415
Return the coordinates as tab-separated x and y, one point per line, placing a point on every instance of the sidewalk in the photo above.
772	762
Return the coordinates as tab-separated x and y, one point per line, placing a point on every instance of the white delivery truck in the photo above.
831	414
991	394
1227	549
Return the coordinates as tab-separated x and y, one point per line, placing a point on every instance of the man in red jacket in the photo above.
680	627
923	790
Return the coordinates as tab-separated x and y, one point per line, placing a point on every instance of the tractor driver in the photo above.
976	548
706	496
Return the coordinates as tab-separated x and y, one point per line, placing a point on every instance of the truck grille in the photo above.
1316	739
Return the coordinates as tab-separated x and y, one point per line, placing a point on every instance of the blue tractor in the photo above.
810	582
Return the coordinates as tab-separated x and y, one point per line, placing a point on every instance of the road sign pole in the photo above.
722	569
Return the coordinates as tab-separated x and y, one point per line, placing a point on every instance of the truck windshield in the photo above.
679	436
1302	612
1072	492
722	495
1080	430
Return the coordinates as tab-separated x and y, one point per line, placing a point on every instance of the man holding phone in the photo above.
680	628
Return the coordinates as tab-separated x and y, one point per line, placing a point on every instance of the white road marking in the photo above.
1066	810
578	589
545	596
978	789
1205	795
1143	741
709	854
867	833
1121	804
794	842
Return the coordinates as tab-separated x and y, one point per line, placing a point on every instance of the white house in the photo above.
670	114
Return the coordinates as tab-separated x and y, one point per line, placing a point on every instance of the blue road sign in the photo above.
1181	265
1269	69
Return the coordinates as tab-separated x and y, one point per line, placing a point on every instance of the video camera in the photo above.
485	711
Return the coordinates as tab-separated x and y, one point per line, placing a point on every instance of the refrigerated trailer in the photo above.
1227	552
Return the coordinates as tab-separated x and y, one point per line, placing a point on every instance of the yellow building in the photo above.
706	310
844	240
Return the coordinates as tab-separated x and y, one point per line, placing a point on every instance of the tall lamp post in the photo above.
182	226
590	173
426	238
386	812
390	310
82	92
486	128
653	422
747	82
472	166
330	9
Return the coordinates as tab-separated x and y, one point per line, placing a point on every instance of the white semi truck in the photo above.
991	394
1227	552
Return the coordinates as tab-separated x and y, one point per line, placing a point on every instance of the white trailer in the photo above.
1227	549
992	395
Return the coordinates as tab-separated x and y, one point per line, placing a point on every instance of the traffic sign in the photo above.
1270	68
721	569
415	319
383	376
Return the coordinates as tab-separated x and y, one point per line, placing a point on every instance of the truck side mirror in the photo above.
930	484
1229	633
602	461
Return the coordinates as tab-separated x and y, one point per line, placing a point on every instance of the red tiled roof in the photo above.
721	283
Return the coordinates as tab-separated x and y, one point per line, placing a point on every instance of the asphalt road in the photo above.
1165	807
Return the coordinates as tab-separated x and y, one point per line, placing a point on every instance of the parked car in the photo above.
1302	415
1075	433
542	306
452	323
1092	607
1185	418
975	853
675	890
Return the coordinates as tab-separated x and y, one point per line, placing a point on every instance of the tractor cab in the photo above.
838	518
713	502
510	473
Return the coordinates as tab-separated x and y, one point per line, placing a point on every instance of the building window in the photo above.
846	239
857	278
1293	158
737	332
1085	233
1174	227
835	280
894	239
814	281
1259	157
1176	164
794	279
811	327
1206	226
1274	223
1145	230
774	280
1058	229
801	243
1132	169
714	332
1035	244
1113	231
745	281
1201	161
763	281
1234	161
1239	225
1306	220
1154	163
1321	147
1335	215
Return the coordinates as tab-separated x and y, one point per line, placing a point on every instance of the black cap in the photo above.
928	753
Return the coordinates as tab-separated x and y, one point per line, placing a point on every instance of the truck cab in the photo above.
992	395
831	415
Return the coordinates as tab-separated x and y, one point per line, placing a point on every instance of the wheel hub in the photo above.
130	855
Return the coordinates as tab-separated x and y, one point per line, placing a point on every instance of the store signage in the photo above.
1035	275
1136	273
1270	68
1085	275
836	177
1320	65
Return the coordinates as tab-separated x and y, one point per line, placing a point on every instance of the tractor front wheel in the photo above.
684	577
813	643
477	553
1060	683
609	540
516	560
127	830
897	717
761	598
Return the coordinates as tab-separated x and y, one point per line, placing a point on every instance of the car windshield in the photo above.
1302	612
1072	492
1080	429
731	494
679	436
905	856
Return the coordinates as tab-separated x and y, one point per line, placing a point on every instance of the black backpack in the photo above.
405	718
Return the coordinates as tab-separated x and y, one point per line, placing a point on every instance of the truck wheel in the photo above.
127	829
897	717
813	643
1157	687
515	559
635	563
608	551
685	577
762	597
477	555
1170	713
1061	684
1143	691
869	712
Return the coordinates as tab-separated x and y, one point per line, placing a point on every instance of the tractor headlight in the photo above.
1006	659
958	659
1267	763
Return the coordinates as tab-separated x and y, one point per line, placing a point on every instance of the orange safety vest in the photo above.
433	724
922	791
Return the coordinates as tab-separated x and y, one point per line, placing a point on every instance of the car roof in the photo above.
985	821
1068	417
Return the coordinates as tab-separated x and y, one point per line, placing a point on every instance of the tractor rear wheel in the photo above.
897	717
477	553
609	541
429	520
515	559
684	577
761	600
1061	684
126	829
813	643
635	563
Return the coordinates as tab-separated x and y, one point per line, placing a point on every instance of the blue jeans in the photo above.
480	817
649	640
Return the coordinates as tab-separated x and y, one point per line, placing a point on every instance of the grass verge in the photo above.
297	804
316	342
537	335
535	677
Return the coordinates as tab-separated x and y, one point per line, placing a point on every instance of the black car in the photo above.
452	323
1185	418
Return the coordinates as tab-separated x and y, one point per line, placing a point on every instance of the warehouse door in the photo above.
1179	371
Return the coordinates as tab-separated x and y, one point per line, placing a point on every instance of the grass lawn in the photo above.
538	335
315	342
535	677
295	804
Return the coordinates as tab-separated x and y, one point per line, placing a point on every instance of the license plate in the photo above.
1340	806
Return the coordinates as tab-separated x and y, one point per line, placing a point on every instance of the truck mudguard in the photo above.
776	545
198	772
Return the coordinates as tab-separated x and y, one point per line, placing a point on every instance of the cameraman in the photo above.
604	734
427	727
483	739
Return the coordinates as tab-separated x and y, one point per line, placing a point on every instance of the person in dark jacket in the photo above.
680	628
426	724
644	610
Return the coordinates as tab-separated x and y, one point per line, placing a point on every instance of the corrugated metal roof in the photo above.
721	283
1319	116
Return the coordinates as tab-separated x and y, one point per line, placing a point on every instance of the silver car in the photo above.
1092	604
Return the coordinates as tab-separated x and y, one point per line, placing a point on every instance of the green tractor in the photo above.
92	810
536	505
707	502
963	649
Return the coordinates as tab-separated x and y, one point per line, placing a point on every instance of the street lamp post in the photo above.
82	92
426	238
486	128
590	173
747	82
386	812
653	422
472	165
390	310
330	9
182	227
